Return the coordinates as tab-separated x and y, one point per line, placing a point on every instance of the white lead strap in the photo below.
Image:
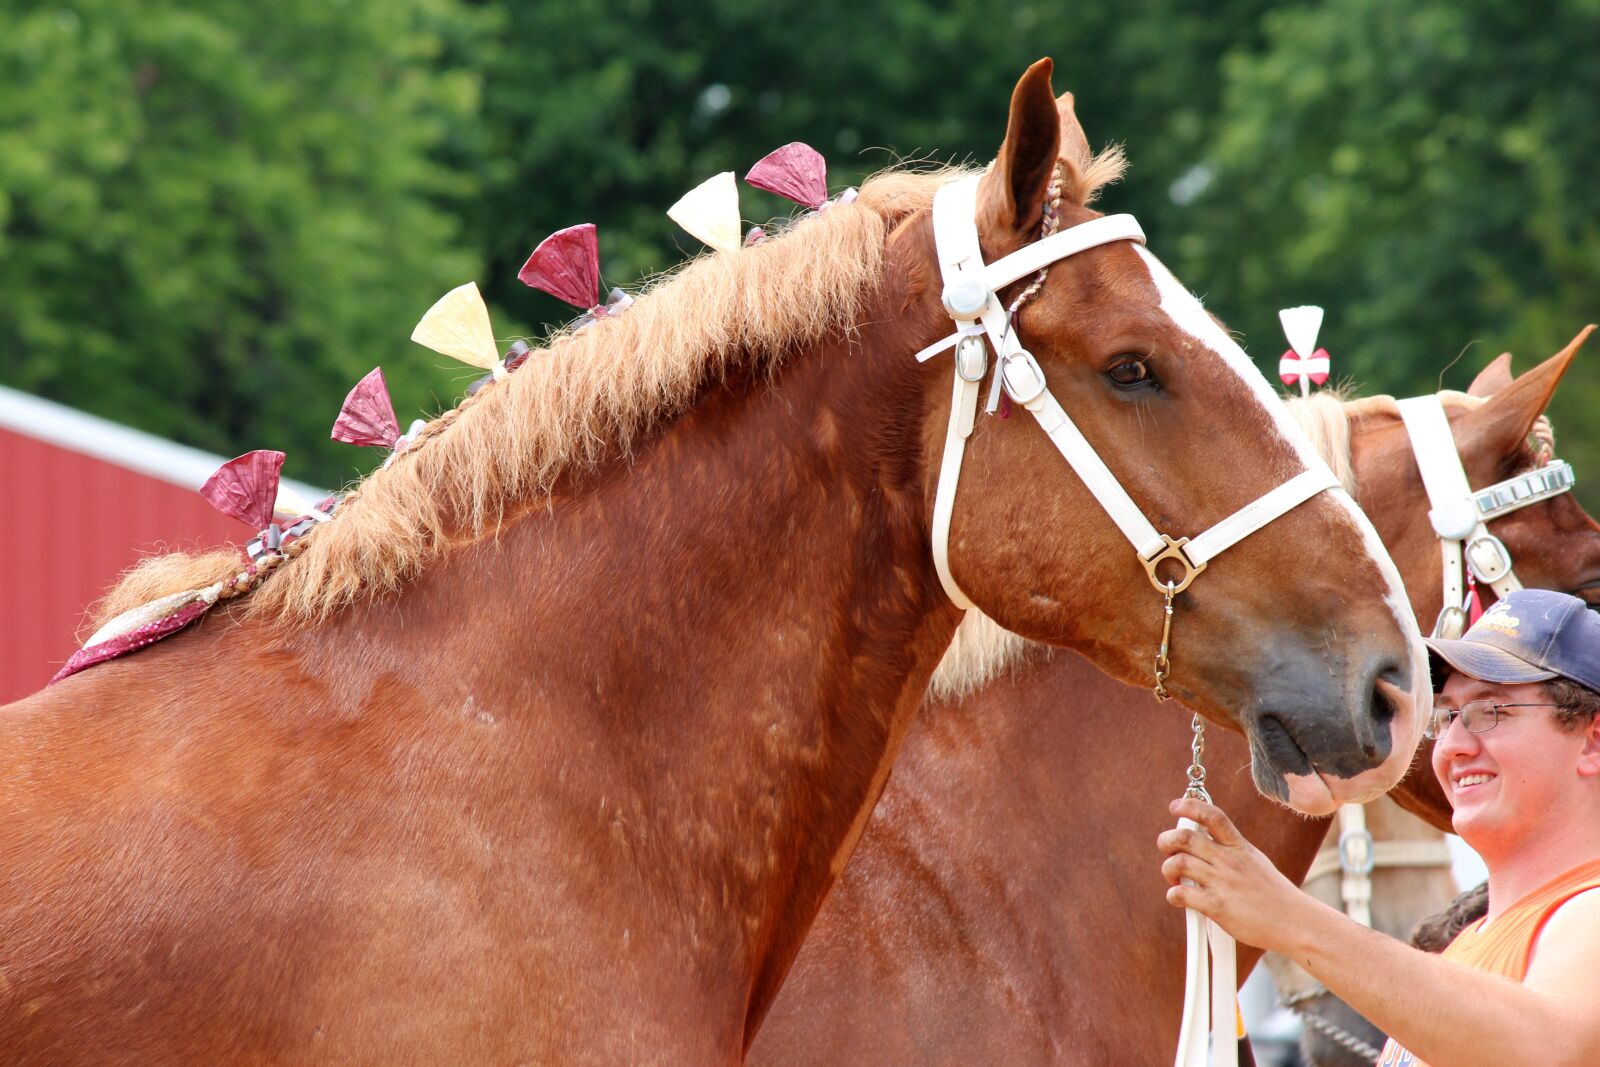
1208	1035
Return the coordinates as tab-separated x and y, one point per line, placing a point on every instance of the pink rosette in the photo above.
566	265
245	488
795	172
367	417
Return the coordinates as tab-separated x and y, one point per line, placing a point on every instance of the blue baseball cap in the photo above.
1529	635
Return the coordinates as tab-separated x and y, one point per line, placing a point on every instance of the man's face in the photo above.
1503	781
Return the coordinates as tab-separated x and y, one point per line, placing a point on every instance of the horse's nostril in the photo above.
1395	676
1383	710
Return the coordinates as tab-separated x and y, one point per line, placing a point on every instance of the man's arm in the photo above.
1446	1013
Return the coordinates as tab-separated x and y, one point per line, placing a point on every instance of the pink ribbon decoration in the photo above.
245	488
1315	366
566	265
133	640
367	417
795	172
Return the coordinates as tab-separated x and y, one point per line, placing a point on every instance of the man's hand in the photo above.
1234	883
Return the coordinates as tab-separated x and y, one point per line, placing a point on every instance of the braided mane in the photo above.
584	398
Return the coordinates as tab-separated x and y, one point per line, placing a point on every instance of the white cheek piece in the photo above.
1460	515
970	288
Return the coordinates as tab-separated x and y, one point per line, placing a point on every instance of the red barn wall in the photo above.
73	524
84	499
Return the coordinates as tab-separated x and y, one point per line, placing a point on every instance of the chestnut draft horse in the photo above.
1006	903
548	746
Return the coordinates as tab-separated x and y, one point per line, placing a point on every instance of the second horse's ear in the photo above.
1493	378
1014	191
1074	142
1509	414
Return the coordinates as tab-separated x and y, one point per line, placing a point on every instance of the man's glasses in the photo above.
1478	716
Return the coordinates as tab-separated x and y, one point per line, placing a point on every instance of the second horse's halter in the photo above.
1460	514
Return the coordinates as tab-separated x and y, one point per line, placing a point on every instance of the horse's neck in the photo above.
729	632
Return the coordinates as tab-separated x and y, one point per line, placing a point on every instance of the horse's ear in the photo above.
1074	142
1508	416
1493	378
1016	187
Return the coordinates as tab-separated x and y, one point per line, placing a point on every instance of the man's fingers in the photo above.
1188	896
1217	824
1185	839
1183	865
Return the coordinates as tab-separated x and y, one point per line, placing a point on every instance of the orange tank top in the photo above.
1506	947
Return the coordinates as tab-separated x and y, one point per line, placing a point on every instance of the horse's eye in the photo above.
1131	372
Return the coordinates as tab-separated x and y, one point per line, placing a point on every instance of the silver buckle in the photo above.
1361	860
1451	623
1499	566
972	358
1024	377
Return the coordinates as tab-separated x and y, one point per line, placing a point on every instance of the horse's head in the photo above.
1500	436
1298	632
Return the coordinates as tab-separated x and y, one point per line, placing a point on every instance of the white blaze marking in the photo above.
1185	310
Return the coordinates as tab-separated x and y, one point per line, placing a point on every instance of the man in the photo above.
1517	723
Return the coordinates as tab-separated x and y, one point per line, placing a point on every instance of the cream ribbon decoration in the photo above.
458	326
710	212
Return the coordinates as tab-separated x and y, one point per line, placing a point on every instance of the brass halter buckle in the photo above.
1173	550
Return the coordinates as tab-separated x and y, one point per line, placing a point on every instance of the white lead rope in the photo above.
1209	1034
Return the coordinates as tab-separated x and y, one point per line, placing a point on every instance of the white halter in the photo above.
1460	516
970	287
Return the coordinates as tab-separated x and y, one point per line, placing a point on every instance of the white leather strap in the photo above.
1452	511
1355	859
1460	516
1208	1035
1030	259
1093	472
1256	514
963	413
961	259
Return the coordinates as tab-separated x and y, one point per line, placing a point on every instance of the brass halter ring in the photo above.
1173	550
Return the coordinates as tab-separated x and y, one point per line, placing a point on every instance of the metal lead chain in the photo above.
1197	761
1163	665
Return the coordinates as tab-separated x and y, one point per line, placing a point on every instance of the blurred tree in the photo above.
1423	170
608	111
215	217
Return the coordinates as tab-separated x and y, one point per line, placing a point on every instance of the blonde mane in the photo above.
583	398
982	650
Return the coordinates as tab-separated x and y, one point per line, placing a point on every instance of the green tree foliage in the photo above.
215	217
608	111
1426	172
